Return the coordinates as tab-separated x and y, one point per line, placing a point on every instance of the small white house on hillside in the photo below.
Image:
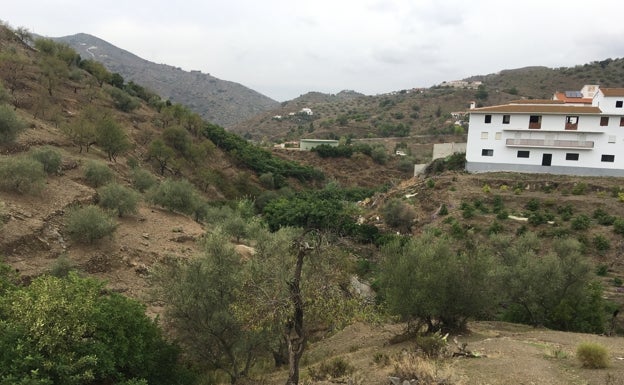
550	136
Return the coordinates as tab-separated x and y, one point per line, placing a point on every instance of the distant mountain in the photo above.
430	111
219	101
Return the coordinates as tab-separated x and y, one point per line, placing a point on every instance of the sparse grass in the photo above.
592	355
336	368
409	366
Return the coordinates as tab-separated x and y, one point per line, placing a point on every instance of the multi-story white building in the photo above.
569	136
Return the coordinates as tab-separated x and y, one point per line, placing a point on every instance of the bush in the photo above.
119	199
579	189
601	243
21	175
175	195
398	214
336	368
592	355
49	157
143	180
97	174
89	224
10	125
581	222
379	154
532	205
618	226
432	346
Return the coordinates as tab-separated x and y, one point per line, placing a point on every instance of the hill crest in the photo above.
218	101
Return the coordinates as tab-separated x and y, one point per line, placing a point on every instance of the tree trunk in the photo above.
294	333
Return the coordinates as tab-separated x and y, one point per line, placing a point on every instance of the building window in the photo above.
506	119
488	118
498	135
523	154
571	122
488	152
484	135
622	122
611	138
607	158
535	121
619	103
572	156
604	121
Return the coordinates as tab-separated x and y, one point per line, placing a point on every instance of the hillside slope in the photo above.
218	101
419	111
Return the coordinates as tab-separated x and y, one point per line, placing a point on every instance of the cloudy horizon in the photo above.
284	49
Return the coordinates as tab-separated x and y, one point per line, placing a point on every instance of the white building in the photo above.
550	136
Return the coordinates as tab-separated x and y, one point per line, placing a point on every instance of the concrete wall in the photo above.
442	150
308	144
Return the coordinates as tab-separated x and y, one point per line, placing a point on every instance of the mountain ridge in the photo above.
220	101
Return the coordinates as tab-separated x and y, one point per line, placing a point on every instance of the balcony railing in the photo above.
548	143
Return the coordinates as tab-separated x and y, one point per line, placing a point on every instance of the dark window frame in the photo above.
572	156
535	122
506	119
488	118
604	121
487	152
607	158
619	103
523	154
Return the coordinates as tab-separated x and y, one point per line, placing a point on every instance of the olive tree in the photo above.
427	282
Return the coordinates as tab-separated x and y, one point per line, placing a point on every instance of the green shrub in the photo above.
119	199
267	181
379	154
143	180
617	281
336	368
175	195
532	205
61	267
49	157
406	164
495	228
432	346
443	210
618	226
603	218
89	224
21	175
97	173
467	210
10	125
579	189
602	270
537	218
592	355
601	243
502	214
581	222
398	214
430	183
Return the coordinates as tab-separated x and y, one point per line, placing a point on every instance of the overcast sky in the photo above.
285	48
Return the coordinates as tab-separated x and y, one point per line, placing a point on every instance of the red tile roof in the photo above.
536	101
561	96
612	91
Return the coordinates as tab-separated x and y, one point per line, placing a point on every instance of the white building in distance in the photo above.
583	134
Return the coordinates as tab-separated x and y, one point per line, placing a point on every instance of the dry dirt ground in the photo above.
510	354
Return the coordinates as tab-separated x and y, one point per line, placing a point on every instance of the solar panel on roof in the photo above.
573	94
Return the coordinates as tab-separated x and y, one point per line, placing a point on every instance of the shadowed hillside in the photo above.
218	101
